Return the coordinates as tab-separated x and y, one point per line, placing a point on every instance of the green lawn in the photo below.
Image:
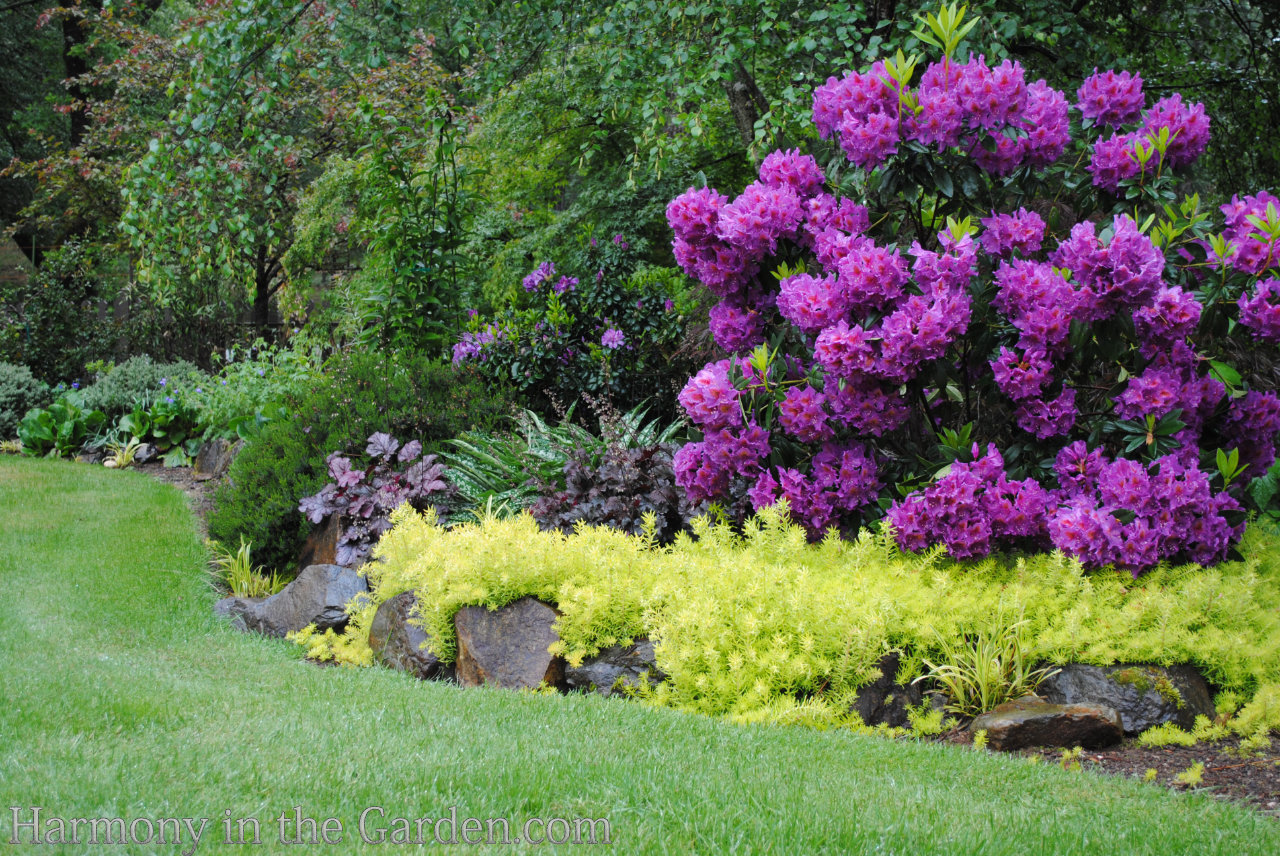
124	697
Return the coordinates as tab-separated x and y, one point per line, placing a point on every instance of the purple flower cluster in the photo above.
1134	516
710	399
1251	425
1105	512
1111	98
972	510
1250	249
613	339
1260	312
473	343
992	112
541	274
1022	230
842	480
1115	159
705	469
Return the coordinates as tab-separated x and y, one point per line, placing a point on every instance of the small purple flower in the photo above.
164	381
617	239
668	305
600	275
566	283
613	338
168	399
540	275
75	385
261	373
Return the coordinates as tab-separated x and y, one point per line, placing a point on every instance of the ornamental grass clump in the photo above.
944	268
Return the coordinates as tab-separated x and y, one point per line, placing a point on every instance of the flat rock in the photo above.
318	596
400	645
321	546
1032	721
884	701
1144	696
145	454
214	458
235	608
615	668
508	647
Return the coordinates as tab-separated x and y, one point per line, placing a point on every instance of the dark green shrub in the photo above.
51	321
19	392
408	396
139	380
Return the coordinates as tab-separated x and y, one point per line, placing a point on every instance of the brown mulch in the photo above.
1253	779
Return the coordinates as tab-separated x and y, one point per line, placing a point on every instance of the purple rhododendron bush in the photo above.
984	313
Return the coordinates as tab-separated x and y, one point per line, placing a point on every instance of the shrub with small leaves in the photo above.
364	498
20	391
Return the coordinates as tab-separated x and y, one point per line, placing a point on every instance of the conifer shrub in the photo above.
969	253
761	625
409	396
20	391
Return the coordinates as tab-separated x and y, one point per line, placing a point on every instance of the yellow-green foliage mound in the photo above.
744	625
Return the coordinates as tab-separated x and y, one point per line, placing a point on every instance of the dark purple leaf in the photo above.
381	445
411	450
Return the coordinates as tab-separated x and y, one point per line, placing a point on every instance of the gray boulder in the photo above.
508	647
318	596
235	608
615	668
145	454
884	701
1144	696
400	645
214	458
1031	721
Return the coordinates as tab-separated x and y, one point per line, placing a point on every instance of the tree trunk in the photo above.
73	61
746	102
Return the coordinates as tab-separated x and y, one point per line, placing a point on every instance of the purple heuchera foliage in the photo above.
364	499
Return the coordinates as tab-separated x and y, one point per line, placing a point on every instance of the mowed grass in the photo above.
124	697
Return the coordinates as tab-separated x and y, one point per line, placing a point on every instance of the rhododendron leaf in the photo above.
1224	373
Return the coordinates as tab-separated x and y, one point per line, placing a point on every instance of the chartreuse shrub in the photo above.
748	624
971	253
